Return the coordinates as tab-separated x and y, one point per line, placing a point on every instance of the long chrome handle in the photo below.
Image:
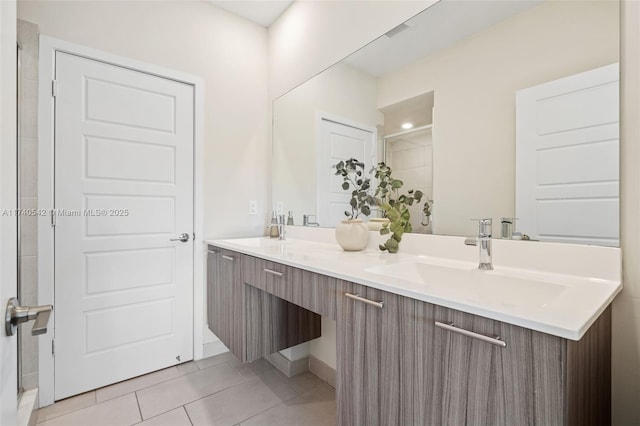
225	257
182	238
213	251
451	327
363	300
16	314
272	272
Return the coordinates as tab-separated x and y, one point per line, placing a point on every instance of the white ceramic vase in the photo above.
375	223
352	235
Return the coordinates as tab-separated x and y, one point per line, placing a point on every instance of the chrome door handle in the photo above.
452	327
182	238
272	272
363	300
17	314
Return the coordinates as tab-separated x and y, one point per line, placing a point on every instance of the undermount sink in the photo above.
464	281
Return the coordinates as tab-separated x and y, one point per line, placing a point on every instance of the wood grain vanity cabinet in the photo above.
225	298
402	361
248	307
397	366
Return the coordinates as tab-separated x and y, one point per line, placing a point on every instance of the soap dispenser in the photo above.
273	228
290	219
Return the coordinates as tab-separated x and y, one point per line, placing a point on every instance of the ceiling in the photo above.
263	12
442	25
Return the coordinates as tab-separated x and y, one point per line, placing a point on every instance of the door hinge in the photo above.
53	218
53	347
54	88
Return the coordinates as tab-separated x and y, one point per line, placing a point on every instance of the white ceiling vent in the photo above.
397	30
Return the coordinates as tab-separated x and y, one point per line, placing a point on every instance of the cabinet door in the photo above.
224	299
462	379
368	383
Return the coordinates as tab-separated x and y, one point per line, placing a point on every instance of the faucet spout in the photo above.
484	244
281	227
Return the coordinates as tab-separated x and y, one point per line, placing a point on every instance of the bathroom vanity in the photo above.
415	343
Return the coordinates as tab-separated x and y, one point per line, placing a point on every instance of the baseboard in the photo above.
213	348
323	371
286	366
26	408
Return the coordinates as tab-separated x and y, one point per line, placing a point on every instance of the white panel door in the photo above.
339	142
123	191
567	159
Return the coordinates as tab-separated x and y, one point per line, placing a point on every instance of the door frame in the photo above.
325	116
46	262
8	199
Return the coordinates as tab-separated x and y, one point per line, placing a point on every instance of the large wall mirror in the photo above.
494	109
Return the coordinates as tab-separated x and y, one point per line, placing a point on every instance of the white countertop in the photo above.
561	304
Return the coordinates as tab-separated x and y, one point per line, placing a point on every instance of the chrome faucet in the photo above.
507	226
306	220
281	227
483	241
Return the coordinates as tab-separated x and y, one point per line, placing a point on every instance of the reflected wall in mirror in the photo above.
514	108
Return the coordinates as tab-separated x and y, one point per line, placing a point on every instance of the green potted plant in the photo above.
395	205
352	234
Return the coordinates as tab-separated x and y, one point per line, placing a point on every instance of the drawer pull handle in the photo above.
363	300
272	272
451	327
225	257
212	251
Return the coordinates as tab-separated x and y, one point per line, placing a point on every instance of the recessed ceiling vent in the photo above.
397	30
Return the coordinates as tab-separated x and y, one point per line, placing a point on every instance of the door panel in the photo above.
567	159
123	189
339	142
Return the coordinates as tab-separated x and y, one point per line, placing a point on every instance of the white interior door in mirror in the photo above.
124	164
338	142
567	159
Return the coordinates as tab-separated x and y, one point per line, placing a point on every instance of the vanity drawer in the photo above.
267	276
309	290
313	291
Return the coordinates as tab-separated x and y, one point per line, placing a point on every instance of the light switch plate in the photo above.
253	207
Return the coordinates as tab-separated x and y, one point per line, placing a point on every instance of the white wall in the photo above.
342	91
475	82
228	52
626	307
313	35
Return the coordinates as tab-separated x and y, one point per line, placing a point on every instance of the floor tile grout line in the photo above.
296	393
95	399
284	402
155	384
95	391
144	387
261	412
184	407
139	408
135	392
200	398
164	381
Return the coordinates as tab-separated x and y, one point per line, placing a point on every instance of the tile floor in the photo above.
213	391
